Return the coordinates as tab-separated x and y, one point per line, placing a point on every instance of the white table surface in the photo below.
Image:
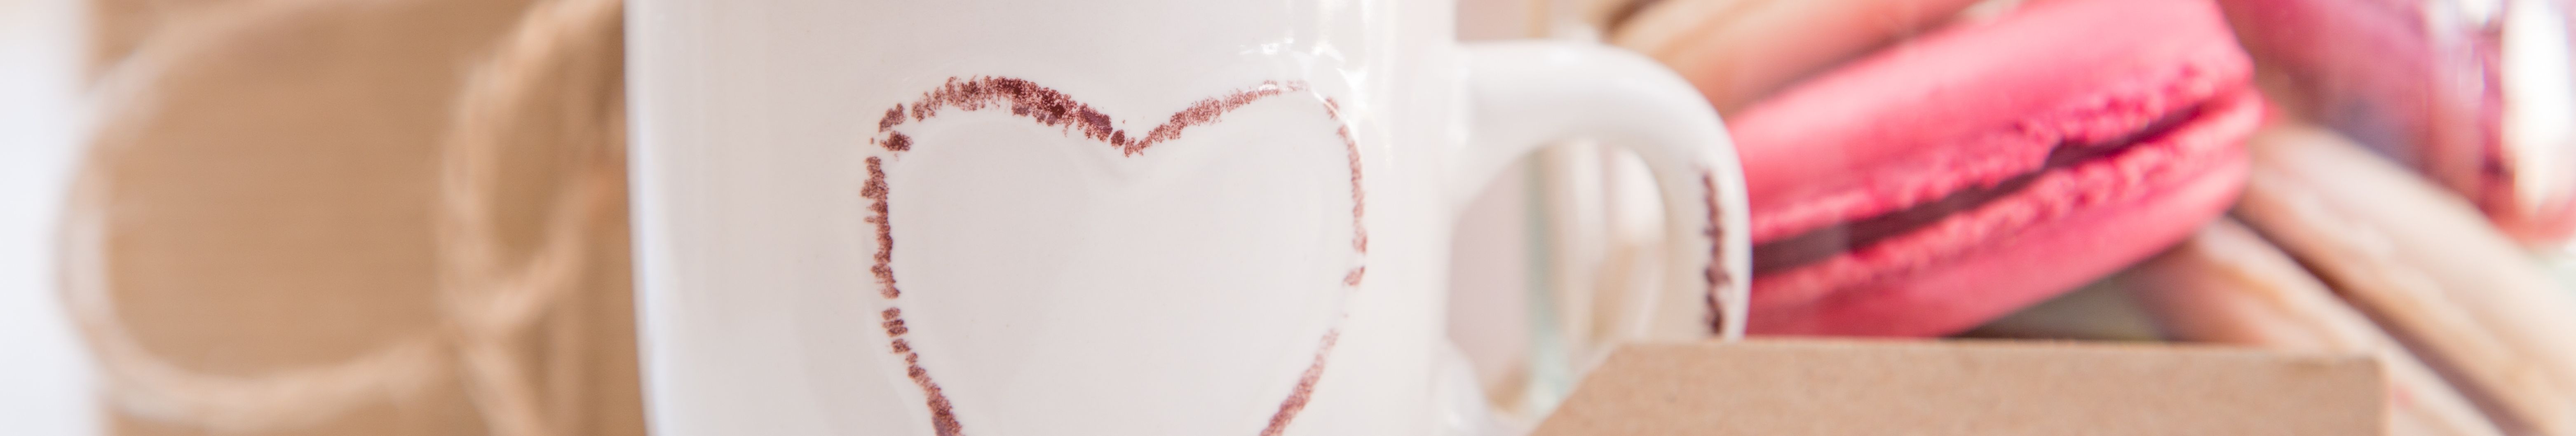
44	376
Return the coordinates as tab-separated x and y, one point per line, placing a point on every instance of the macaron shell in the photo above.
2019	251
1975	106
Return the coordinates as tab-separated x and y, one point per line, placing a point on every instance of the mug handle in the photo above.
1525	95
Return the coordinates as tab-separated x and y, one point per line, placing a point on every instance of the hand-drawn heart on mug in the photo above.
1061	275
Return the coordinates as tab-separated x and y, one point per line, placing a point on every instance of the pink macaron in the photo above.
1950	180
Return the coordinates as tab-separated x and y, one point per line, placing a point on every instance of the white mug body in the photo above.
1001	217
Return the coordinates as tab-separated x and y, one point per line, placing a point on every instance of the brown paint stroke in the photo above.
893	117
1715	271
943	417
943	414
897	142
875	191
1359	195
1054	108
1305	390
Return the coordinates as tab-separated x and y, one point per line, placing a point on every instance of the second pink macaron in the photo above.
1950	180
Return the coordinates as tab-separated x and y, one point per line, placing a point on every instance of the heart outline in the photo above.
1050	107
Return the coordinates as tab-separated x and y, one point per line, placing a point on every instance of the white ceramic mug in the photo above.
1129	217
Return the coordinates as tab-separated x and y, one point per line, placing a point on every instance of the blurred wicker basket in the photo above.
356	217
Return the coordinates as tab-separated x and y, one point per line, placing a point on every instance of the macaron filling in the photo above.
1827	242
